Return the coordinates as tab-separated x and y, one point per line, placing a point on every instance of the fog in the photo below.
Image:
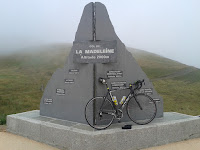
170	28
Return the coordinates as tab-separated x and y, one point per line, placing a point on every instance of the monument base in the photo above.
173	127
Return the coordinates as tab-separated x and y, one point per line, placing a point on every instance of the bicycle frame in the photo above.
128	97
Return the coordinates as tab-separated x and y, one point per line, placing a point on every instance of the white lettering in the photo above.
102	57
98	46
87	51
100	51
78	51
88	57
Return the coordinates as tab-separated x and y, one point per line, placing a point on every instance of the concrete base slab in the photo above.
66	135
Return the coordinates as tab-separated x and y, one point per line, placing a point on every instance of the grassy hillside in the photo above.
24	74
178	84
154	65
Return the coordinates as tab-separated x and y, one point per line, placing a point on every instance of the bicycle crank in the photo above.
119	114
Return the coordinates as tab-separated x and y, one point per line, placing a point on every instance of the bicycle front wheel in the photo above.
141	109
99	113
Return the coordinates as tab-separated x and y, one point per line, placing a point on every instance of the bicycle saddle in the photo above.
102	80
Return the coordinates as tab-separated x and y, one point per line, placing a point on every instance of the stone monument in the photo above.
96	52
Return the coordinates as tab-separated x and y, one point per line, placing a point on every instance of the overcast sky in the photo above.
170	28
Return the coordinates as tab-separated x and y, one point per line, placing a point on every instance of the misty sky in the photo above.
170	28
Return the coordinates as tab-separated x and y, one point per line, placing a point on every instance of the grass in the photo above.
154	65
22	75
191	77
179	96
2	119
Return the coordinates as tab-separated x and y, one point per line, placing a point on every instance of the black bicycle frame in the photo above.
128	97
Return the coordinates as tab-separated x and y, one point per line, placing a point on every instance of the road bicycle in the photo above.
100	112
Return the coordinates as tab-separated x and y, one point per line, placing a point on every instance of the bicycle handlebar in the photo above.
138	84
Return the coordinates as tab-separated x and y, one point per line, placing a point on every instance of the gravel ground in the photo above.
2	128
10	141
193	144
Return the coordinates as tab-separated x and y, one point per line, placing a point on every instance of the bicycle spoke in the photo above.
141	109
99	113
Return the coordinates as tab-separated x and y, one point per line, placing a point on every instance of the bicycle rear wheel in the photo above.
99	113
141	109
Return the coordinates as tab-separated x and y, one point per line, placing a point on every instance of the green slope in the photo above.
156	66
178	84
23	74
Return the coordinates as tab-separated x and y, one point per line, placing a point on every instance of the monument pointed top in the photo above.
95	18
85	27
104	27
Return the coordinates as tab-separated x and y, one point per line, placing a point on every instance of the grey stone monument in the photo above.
97	52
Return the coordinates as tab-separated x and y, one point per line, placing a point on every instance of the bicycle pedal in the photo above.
127	127
118	118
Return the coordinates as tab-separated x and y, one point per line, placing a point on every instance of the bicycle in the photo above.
100	112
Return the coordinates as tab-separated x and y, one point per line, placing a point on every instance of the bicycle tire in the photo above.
92	113
146	114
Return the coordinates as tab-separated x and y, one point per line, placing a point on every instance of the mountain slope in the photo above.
23	76
157	66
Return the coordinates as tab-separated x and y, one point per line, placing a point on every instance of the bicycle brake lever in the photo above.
143	81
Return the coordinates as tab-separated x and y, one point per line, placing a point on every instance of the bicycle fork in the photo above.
138	104
128	98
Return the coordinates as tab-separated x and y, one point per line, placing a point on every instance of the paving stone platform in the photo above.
66	135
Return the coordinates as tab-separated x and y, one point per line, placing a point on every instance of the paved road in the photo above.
10	141
193	144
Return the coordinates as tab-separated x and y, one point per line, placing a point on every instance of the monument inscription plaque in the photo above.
69	81
118	85
48	101
60	91
95	52
73	71
147	91
114	74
